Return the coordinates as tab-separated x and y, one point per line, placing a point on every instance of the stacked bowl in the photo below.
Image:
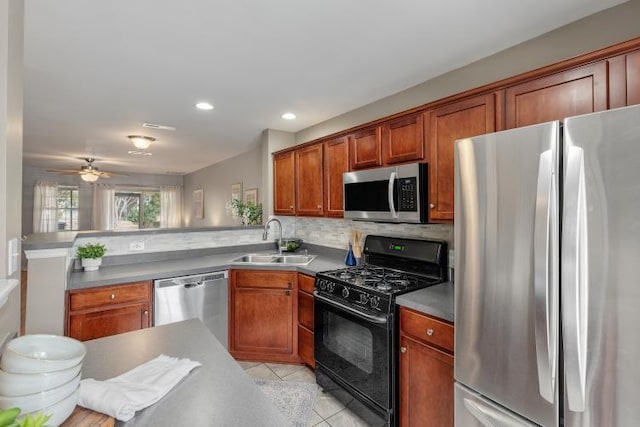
41	373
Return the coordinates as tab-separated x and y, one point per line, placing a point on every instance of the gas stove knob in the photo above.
345	292
322	284
330	286
364	298
374	302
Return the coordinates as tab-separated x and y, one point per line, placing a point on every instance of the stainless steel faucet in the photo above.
265	233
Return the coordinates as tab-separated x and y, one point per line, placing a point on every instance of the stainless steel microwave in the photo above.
391	194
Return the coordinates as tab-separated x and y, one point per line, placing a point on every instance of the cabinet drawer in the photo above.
426	329
306	283
305	310
109	295
264	279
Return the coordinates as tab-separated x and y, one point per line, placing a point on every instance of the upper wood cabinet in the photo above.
463	119
336	162
578	91
308	182
403	139
624	80
365	148
284	190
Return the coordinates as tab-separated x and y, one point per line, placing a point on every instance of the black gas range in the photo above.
356	326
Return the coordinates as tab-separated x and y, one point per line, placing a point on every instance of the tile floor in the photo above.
328	411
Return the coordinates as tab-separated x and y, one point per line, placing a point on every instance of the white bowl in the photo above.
61	410
22	384
36	401
30	354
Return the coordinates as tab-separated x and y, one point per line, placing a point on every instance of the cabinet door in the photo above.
569	93
110	321
426	385
365	148
633	78
336	162
309	183
284	191
463	119
262	321
305	346
403	140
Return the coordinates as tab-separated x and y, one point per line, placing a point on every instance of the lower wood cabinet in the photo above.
305	319
263	315
426	370
108	310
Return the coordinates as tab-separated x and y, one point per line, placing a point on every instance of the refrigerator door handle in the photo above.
488	416
546	276
575	279
392	204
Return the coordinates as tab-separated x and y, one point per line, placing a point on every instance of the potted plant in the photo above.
249	213
91	255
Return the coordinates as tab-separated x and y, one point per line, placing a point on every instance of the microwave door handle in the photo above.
392	203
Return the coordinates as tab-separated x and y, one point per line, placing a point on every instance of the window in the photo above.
137	209
67	208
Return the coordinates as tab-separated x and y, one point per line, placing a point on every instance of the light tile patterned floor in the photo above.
328	410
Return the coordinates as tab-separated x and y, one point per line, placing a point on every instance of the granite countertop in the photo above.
437	301
160	269
217	393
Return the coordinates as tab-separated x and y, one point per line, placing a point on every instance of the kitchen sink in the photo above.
274	259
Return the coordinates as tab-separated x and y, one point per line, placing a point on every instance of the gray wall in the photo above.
11	54
216	180
32	174
600	30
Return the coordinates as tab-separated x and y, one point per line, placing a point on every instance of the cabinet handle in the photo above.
113	296
289	284
291	207
287	293
403	350
432	206
429	331
319	207
145	312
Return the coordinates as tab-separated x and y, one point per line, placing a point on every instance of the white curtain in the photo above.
45	207
104	215
170	206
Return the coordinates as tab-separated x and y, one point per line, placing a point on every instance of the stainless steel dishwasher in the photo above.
204	296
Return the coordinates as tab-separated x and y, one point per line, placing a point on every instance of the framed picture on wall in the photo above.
198	203
251	195
236	191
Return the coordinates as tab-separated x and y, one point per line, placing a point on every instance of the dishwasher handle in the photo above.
194	281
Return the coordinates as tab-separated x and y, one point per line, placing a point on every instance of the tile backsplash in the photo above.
336	233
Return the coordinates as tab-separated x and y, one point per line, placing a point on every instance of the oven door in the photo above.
354	350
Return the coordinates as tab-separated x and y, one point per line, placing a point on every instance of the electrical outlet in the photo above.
136	246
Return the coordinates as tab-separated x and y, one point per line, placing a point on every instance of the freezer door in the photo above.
600	262
506	293
473	410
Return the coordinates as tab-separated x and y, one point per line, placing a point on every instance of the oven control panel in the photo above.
355	296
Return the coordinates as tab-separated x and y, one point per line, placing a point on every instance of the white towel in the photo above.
122	396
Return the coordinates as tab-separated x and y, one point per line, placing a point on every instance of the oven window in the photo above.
349	340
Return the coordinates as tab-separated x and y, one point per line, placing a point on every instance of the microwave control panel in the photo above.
408	194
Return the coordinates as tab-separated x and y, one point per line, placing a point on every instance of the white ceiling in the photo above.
96	70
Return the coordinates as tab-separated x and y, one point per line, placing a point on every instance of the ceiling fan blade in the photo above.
63	171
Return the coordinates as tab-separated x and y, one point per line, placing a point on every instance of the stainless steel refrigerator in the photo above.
547	292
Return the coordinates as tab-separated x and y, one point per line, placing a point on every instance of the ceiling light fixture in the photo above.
141	142
288	116
89	177
203	105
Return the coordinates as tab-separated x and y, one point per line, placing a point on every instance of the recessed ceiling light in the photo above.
288	116
203	105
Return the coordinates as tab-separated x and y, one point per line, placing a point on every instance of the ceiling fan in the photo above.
88	172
